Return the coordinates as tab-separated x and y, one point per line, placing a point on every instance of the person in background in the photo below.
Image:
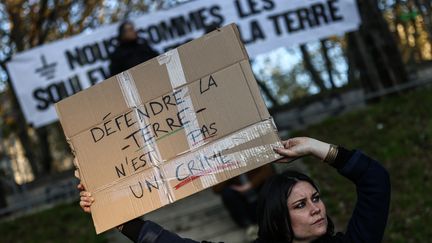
131	49
240	194
290	208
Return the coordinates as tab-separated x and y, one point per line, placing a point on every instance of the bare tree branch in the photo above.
16	32
328	62
316	78
43	33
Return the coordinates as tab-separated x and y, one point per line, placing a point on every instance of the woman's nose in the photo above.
315	209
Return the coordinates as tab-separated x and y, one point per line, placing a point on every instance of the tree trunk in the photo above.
316	78
423	10
3	202
363	63
39	164
428	5
397	22
45	158
21	124
417	56
378	49
328	62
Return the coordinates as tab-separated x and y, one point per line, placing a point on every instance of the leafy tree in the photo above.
26	24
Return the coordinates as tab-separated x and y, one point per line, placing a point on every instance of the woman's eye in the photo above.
316	199
300	205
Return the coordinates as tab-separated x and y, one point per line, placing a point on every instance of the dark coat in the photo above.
367	222
129	54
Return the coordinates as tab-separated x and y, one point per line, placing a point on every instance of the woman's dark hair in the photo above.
273	215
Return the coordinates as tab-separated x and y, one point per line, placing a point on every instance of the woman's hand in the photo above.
86	199
302	146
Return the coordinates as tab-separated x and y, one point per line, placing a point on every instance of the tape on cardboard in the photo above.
226	154
174	67
239	159
188	111
128	89
171	60
133	100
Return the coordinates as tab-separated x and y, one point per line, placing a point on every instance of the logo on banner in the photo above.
47	70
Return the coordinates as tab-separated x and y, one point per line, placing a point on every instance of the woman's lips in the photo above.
318	221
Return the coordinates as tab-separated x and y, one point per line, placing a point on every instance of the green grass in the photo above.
398	132
64	223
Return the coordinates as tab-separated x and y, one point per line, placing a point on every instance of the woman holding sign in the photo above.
290	208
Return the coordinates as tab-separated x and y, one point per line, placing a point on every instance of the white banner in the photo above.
44	75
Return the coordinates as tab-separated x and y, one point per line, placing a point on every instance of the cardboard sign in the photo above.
168	128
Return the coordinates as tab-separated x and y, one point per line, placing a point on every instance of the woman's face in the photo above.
129	33
307	212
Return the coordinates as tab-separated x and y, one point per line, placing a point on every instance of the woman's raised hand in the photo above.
302	146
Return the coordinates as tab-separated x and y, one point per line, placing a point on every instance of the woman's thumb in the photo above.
284	152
